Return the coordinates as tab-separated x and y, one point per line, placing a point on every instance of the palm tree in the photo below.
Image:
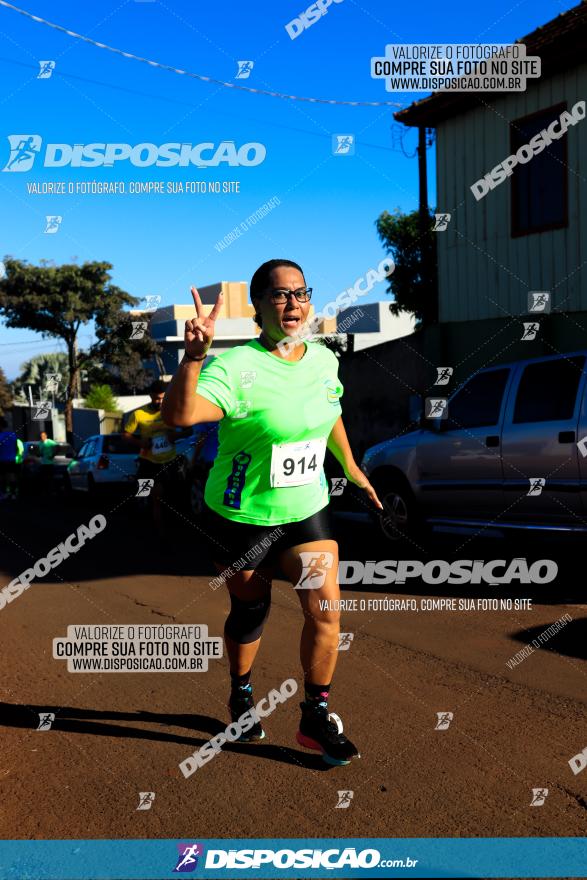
35	372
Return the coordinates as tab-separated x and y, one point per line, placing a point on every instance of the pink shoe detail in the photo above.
308	743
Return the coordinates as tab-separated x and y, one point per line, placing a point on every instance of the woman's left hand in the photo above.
356	476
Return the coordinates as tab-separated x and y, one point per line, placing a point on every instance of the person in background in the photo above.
205	451
47	451
18	462
146	430
8	453
206	447
47	448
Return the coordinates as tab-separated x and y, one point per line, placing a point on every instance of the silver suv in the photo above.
507	453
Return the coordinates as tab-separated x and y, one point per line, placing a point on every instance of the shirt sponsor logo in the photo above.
236	480
333	391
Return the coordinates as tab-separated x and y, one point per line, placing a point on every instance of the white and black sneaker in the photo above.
240	701
322	731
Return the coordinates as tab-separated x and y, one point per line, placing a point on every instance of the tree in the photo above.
5	394
414	282
57	300
101	397
334	344
35	372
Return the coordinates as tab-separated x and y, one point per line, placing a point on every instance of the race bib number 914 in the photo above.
297	464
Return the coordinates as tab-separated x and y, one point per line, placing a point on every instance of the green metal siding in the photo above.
483	271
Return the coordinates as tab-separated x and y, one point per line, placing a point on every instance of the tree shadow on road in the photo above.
70	719
571	640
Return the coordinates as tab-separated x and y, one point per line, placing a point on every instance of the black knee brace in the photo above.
246	620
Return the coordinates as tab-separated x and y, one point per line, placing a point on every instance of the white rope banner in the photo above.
199	76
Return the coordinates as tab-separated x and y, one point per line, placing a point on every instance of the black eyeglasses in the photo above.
280	295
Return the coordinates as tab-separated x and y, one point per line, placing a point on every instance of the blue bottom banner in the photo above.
294	857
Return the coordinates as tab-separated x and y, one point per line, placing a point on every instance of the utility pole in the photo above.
422	180
76	385
423	211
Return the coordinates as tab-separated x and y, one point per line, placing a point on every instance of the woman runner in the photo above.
277	399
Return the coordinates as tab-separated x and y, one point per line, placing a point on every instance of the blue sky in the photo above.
161	244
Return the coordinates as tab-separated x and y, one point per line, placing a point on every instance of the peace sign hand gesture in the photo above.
199	331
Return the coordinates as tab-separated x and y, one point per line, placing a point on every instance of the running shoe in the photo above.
322	731
241	701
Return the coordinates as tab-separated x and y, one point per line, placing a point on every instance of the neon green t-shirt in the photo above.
268	401
47	448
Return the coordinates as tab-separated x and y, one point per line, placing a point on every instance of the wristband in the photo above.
190	358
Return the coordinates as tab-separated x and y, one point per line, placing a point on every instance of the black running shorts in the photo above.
253	546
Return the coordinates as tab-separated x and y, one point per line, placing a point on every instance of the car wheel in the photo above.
92	488
400	519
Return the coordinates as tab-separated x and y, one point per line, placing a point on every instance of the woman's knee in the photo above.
248	584
250	602
247	618
323	620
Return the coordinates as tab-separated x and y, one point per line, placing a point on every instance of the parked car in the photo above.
63	455
104	461
507	455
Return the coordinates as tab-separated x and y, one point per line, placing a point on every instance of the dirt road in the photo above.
115	735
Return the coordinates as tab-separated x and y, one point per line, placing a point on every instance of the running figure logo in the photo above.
444	374
146	799
539	795
52	381
539	301
53	222
244	69
344	800
189	853
436	407
337	485
144	489
138	329
343	145
344	641
314	568
241	409
151	302
47	68
444	719
441	222
42	410
537	484
530	331
247	378
578	762
23	151
46	719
